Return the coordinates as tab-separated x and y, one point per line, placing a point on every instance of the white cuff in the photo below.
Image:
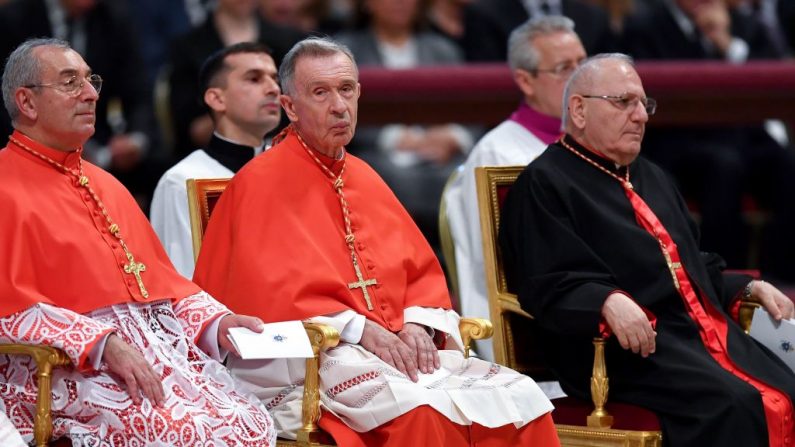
437	319
348	323
95	355
208	340
353	330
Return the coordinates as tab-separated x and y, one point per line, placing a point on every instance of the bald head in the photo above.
588	75
605	107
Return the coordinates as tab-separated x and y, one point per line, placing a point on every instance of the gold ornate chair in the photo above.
46	359
203	195
579	423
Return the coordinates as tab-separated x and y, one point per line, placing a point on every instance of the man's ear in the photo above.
26	103
577	111
525	81
214	98
289	107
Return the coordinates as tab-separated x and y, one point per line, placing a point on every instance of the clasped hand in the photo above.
410	351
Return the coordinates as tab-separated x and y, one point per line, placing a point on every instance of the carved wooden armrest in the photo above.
474	329
46	358
322	337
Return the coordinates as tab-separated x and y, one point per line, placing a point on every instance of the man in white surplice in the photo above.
542	54
242	95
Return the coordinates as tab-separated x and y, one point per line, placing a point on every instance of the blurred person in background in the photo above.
490	22
306	15
717	166
414	160
232	21
542	54
158	22
241	91
446	17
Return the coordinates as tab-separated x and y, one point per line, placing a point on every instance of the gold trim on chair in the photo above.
46	359
199	193
746	314
488	181
474	329
322	338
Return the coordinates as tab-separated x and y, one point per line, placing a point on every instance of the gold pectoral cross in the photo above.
135	269
362	283
672	266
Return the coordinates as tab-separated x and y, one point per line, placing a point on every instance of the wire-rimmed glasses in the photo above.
562	70
628	101
73	85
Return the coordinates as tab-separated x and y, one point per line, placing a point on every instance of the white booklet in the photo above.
778	336
286	339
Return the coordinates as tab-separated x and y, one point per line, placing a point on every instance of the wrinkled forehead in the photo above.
616	77
335	66
60	62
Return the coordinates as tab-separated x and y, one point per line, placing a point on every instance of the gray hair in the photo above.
309	47
521	52
584	75
22	68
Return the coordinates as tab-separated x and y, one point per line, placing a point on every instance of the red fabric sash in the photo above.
713	327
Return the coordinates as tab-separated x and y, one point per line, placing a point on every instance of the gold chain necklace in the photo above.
350	238
133	268
624	181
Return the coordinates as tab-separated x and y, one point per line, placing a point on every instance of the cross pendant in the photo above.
362	284
135	268
673	267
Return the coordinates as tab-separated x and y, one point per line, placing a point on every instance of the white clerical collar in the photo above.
257	149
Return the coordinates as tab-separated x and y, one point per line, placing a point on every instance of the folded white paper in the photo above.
777	336
286	339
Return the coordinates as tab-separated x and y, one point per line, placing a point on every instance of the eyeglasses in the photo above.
562	70
74	85
628	101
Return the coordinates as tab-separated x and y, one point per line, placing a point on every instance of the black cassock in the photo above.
569	237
